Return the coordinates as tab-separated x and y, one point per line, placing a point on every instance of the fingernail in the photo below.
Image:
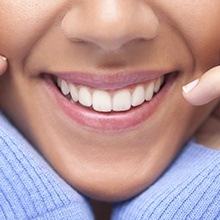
4	58
187	88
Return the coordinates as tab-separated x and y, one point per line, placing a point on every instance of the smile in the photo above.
110	103
111	100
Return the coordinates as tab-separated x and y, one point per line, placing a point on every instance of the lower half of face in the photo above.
111	122
108	156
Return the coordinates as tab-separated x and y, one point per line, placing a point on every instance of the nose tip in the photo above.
111	26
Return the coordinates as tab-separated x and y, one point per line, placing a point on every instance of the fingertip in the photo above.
192	100
3	64
189	93
204	90
189	87
4	58
199	95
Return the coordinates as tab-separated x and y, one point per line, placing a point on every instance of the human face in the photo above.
116	46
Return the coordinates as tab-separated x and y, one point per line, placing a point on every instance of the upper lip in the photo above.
109	81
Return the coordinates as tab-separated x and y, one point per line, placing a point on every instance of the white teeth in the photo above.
85	97
102	101
74	93
64	87
59	82
107	101
138	96
149	92
122	100
158	84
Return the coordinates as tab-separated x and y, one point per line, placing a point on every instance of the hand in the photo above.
3	64
200	92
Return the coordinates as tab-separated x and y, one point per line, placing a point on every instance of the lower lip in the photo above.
114	121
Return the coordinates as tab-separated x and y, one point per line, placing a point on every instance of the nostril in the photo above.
110	28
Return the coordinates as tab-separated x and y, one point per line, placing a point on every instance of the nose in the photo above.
110	24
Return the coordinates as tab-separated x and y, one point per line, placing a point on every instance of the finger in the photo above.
205	89
3	64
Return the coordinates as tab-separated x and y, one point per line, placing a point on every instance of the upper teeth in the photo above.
107	101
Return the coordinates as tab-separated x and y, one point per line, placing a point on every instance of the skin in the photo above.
205	91
51	36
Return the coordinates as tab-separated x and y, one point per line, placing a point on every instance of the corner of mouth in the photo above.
107	118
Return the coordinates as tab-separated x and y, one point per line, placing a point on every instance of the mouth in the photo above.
110	100
110	103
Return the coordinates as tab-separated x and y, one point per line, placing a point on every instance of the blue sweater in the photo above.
189	189
30	189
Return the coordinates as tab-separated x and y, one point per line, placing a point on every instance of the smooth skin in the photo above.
206	90
3	65
103	37
208	134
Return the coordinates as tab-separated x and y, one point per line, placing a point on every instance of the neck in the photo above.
102	210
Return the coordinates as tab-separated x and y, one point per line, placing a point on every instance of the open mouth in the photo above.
113	104
111	100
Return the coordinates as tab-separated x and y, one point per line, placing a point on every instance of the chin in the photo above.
112	190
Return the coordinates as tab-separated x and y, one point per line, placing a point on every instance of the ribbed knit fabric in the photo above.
189	189
29	188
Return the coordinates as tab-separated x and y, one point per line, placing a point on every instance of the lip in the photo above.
89	119
109	81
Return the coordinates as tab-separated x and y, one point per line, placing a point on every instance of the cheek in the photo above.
203	32
23	23
198	24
